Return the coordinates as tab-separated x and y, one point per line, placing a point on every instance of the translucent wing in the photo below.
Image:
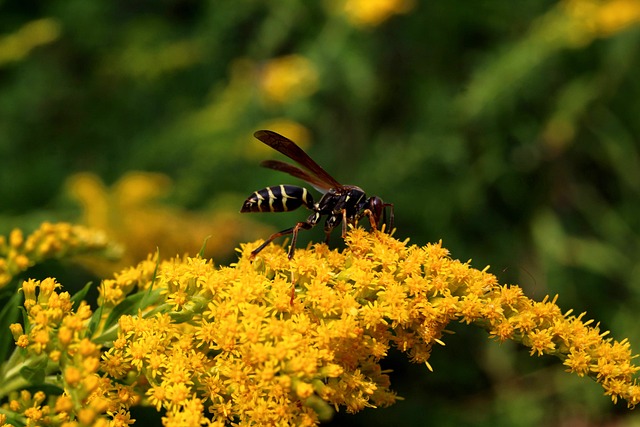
292	170
289	148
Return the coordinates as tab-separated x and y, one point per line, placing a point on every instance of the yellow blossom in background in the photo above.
131	213
569	24
576	23
227	345
276	82
288	78
603	18
16	46
618	15
369	13
18	253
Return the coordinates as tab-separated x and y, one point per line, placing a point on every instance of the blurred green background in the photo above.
511	132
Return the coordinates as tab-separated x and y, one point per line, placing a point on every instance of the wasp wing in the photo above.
292	170
291	150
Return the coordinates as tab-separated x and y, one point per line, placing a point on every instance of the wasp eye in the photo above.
376	205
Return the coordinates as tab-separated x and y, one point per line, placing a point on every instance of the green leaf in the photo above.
204	246
36	372
79	296
131	304
150	296
93	322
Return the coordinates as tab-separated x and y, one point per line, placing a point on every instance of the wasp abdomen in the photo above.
279	198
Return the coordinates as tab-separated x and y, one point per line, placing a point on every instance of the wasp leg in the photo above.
344	223
332	223
294	238
271	239
372	217
391	217
293	288
292	230
372	220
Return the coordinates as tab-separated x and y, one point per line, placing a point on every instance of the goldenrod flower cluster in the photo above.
54	349
273	341
287	78
131	212
602	18
17	45
370	13
59	240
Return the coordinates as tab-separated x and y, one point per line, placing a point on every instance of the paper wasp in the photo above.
345	204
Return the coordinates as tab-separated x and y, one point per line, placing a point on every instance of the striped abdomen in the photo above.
279	198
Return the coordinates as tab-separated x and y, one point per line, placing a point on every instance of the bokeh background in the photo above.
511	131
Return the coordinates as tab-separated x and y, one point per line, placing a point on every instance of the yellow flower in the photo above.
261	357
288	78
617	15
57	347
238	350
603	18
121	419
18	45
131	213
47	242
369	13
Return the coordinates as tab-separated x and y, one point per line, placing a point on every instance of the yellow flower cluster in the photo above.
603	18
54	349
59	240
288	78
16	46
370	13
273	341
131	213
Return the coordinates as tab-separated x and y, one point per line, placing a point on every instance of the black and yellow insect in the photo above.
278	198
345	204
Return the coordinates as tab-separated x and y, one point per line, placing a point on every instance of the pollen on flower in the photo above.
22	341
540	341
578	362
502	331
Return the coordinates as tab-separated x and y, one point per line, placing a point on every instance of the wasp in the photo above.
341	204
